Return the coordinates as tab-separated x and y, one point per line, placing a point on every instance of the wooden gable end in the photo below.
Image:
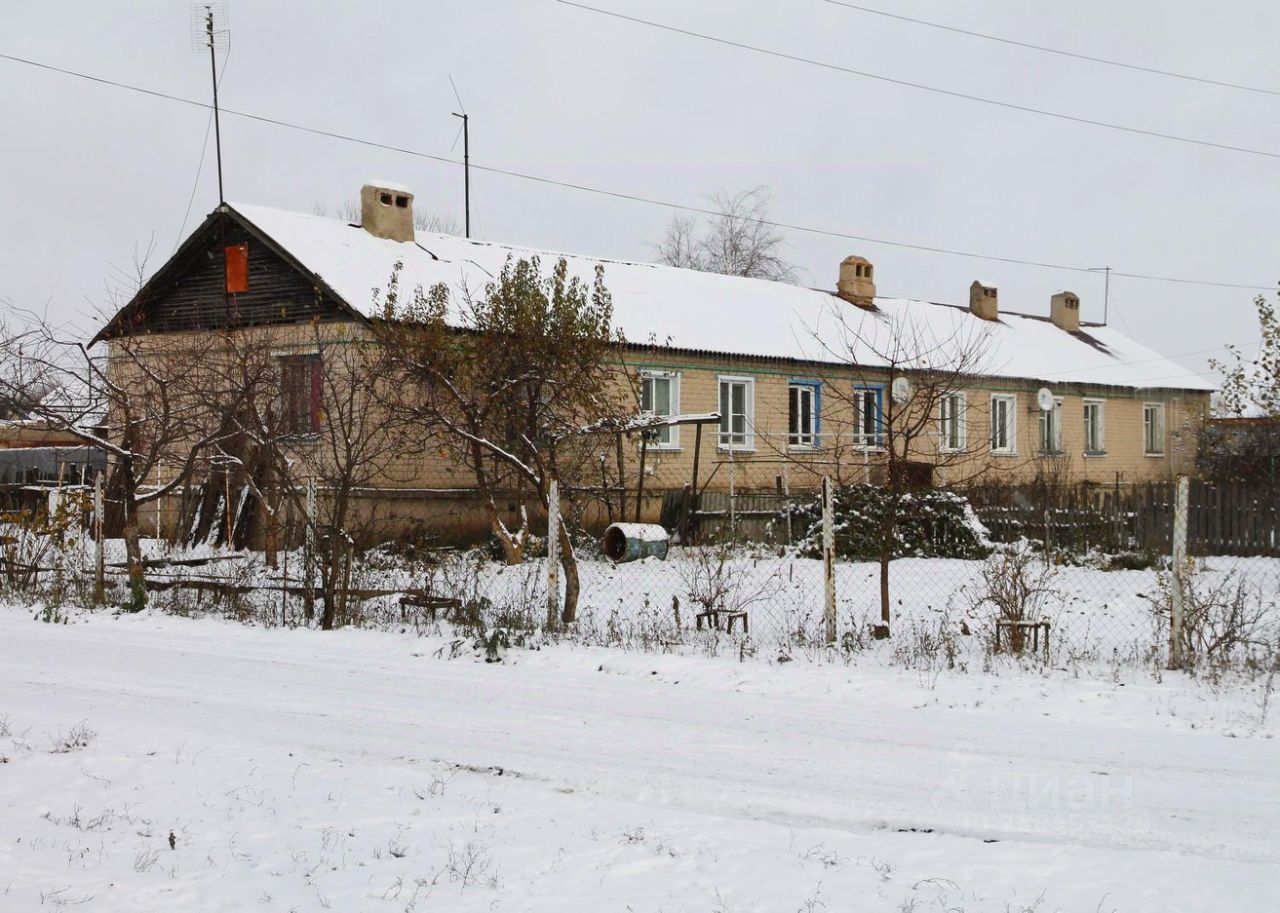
226	276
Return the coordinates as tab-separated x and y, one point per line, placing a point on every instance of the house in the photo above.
805	381
32	450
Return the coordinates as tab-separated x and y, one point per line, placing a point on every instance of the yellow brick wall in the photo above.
770	462
770	458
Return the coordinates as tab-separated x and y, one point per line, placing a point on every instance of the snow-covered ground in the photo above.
238	767
1099	618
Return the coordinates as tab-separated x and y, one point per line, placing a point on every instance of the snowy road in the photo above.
994	790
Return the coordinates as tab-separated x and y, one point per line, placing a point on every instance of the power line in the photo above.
1048	50
950	93
630	197
1143	361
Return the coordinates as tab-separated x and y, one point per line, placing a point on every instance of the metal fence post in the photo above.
553	553
829	560
99	558
1180	506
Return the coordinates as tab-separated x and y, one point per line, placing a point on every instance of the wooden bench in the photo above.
713	617
1012	629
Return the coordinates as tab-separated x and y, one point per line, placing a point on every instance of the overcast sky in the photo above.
88	172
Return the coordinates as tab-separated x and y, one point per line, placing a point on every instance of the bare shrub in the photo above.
74	739
469	864
145	861
720	578
927	647
32	544
1017	583
1225	618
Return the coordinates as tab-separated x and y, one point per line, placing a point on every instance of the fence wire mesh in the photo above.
1060	577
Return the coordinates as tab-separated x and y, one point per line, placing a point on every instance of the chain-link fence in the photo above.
925	579
1059	577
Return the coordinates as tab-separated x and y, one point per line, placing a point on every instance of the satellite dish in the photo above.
901	390
1044	399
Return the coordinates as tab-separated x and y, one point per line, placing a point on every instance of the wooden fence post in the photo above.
829	559
1176	657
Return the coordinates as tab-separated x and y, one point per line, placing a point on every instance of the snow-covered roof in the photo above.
707	312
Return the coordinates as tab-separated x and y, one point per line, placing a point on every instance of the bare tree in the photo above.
516	383
907	411
739	240
306	410
127	403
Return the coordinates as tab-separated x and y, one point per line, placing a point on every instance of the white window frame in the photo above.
748	442
671	432
960	420
815	399
1101	406
1010	402
1053	416
1159	411
861	439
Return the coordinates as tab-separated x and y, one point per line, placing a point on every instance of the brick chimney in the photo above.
386	210
856	285
984	301
1064	311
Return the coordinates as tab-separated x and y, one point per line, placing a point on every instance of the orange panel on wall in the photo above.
237	264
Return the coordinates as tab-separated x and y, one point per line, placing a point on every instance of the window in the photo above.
1093	427
1051	428
1004	418
660	395
868	416
300	393
1153	429
802	414
737	401
951	421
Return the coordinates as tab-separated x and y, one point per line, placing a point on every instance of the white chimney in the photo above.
1064	311
386	210
984	301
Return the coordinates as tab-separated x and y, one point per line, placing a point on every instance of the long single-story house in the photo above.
802	378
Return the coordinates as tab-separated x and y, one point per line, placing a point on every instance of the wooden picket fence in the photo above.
1234	518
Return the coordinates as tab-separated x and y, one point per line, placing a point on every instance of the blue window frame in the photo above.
868	415
804	414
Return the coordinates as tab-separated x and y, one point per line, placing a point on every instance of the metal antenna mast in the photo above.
1106	289
466	159
209	29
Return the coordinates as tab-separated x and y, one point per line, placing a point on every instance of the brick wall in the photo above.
769	461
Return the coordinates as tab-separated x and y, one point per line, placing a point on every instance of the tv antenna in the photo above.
1106	290
466	159
209	29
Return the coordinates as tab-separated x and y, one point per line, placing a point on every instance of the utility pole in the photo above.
466	170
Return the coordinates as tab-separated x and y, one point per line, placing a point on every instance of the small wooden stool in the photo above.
1035	627
732	616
